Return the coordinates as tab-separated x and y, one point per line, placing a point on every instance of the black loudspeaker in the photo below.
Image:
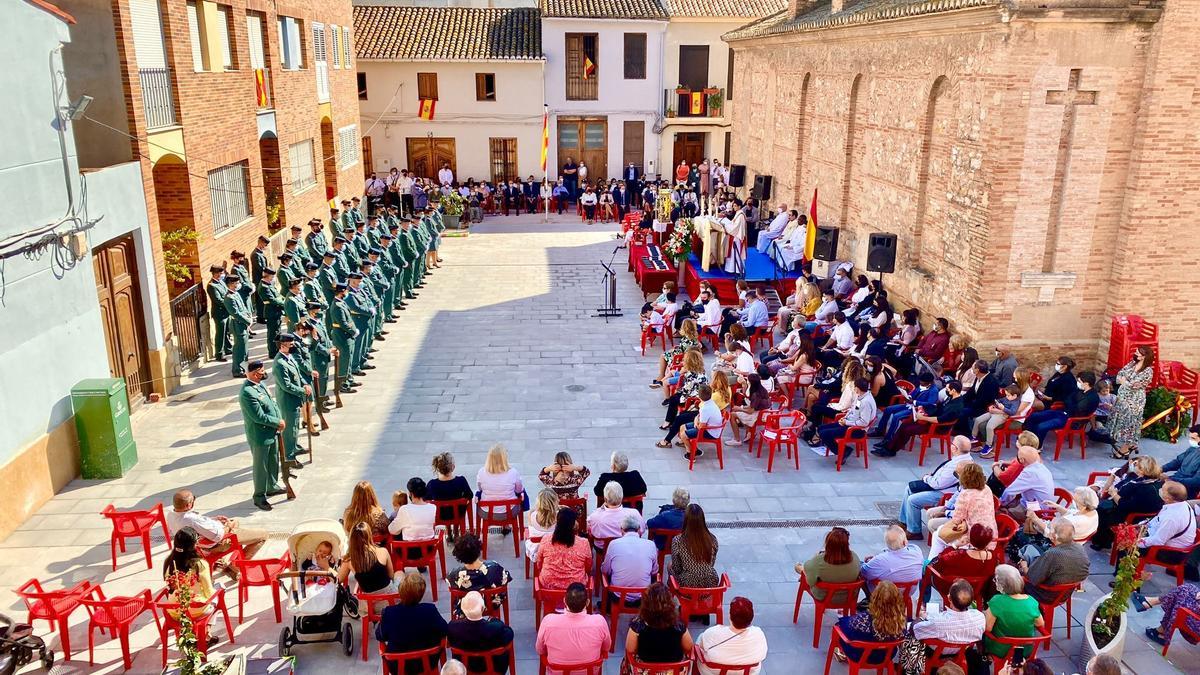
762	187
881	252
737	175
825	247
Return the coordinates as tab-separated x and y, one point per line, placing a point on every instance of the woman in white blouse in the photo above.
497	480
541	521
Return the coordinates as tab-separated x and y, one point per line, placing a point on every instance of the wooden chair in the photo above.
845	606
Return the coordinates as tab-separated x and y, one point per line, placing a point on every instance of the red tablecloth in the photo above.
650	279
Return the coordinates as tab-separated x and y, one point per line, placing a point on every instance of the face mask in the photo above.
1079	384
1060	368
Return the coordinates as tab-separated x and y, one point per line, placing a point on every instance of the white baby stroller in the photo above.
316	600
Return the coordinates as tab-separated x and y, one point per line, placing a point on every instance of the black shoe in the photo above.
389	321
402	307
252	333
379	336
295	464
699	453
879	452
346	389
276	493
239	376
368	366
222	359
262	504
372	350
410	296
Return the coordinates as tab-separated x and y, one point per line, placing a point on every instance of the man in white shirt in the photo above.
736	644
445	175
860	414
929	490
775	230
404	187
840	342
1033	484
959	622
828	308
708	415
1175	524
414	520
213	528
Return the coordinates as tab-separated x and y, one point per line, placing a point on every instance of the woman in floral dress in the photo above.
1125	424
1186	596
475	574
564	476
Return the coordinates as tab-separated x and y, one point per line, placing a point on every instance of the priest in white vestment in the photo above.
735	257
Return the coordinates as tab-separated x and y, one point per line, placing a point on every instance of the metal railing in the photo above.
262	88
157	97
188	314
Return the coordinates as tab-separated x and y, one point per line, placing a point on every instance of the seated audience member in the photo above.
690	378
840	342
629	560
694	552
1185	468
1064	563
474	632
824	314
958	622
414	520
670	516
975	560
709	415
1004	473
631	482
983	428
802	304
564	476
1036	537
1108	404
185	559
737	361
965	371
411	625
930	353
1082	402
371	565
900	563
574	636
925	395
883	620
1174	526
836	563
984	392
1061	385
497	480
542	519
861	413
746	416
820	402
364	508
687	339
1004	366
1034	484
928	491
564	558
447	487
453	667
213	528
1103	664
951	410
1186	596
736	644
475	573
973	505
1011	612
901	345
1133	488
608	521
657	635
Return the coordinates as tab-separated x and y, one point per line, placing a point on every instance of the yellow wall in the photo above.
36	473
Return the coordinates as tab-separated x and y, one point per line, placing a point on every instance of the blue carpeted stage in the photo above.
759	268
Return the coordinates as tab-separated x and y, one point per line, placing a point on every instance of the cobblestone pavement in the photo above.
500	347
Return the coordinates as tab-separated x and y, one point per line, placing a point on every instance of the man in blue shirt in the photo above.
755	314
670	516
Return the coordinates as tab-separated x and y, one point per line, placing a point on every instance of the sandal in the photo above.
839	655
1140	603
656	384
663	444
1155	636
664	426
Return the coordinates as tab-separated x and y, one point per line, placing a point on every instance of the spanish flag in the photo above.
545	134
589	67
261	93
426	110
697	104
811	240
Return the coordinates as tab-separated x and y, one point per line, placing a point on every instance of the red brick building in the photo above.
1037	161
244	114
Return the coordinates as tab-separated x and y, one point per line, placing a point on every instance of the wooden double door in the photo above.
584	139
115	265
427	154
689	147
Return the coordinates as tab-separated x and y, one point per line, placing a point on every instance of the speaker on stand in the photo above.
737	175
881	252
762	188
825	248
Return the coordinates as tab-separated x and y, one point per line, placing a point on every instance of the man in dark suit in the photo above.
985	391
529	192
621	196
513	198
630	175
631	482
477	633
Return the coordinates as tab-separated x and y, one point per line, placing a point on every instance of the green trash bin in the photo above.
106	447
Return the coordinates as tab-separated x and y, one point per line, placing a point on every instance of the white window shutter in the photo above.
193	20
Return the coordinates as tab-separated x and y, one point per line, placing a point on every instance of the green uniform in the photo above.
335	228
395	271
216	309
389	272
377	287
300	256
408	253
289	394
362	244
261	417
352	256
313	291
341	265
347	219
239	325
258	263
295	308
363	314
343	333
317	246
247	287
321	355
272	304
284	277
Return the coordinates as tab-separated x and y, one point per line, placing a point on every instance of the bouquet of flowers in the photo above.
679	244
452	204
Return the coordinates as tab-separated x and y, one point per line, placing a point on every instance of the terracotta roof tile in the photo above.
724	8
401	33
862	11
605	9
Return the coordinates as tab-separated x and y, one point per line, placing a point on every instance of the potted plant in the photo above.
682	90
192	661
452	209
1106	623
670	111
715	102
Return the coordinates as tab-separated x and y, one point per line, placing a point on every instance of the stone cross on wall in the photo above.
1070	98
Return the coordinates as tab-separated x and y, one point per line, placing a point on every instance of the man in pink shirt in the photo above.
573	637
608	521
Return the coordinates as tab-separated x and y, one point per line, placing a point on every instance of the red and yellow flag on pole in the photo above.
545	135
811	239
589	67
426	110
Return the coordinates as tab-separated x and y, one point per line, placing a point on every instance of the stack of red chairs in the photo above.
1128	332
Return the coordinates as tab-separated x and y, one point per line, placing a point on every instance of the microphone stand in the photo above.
609	290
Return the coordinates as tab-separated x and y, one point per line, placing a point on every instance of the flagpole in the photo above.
545	151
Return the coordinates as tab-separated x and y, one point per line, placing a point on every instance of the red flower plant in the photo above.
1125	536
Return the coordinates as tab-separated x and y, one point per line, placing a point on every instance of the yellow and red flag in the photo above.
811	240
545	135
426	110
261	94
697	102
589	67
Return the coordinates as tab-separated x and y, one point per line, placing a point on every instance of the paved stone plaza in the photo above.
500	347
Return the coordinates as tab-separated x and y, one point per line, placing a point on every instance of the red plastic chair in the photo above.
701	601
54	607
782	430
630	501
1180	379
623	603
934	579
590	668
114	616
703	437
1006	529
1182	615
368	603
580	506
548	600
650	335
201	612
711	333
904	386
906	589
502	513
668	536
206	549
462	518
725	668
1011	644
490	606
1076	429
488	657
765	334
678	668
1060	595
135	523
1005	434
853	436
845	607
530	540
945	652
422	656
875	656
599	546
422	553
261	572
1154	556
940	432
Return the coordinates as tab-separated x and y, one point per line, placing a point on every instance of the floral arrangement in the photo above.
191	660
1109	615
1164	416
452	204
679	244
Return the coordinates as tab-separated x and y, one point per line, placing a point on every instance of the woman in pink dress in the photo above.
974	505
